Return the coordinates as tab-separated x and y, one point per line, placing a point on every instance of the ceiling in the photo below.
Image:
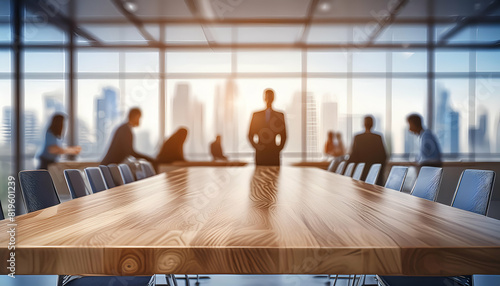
265	23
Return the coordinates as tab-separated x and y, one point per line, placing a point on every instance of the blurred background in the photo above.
205	63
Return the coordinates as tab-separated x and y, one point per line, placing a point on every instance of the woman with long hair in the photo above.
52	147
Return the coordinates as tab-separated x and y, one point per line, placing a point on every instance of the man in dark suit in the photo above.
267	125
369	148
122	144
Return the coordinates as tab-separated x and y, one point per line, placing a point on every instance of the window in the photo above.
43	98
6	140
198	62
408	96
368	97
451	115
265	62
484	134
327	62
100	110
330	102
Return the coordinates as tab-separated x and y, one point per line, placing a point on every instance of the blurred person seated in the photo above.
122	144
52	144
216	150
429	150
368	148
173	148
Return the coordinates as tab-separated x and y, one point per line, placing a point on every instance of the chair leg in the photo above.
336	278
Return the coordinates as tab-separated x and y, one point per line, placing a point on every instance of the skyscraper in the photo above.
225	114
293	115
7	125
189	112
107	116
312	127
329	119
478	137
447	122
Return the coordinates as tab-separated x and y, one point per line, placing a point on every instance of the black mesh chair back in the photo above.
108	178
38	190
340	168
428	183
396	178
127	175
474	191
358	171
75	182
116	174
1	212
148	169
372	176
96	179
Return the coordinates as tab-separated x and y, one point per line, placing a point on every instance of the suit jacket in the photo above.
122	146
368	148
267	153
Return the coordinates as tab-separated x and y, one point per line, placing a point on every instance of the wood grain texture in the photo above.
163	168
253	220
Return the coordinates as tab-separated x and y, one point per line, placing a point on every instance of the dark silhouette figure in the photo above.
52	146
173	148
369	148
430	151
216	150
267	125
122	144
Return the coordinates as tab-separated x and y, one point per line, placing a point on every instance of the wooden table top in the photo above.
253	220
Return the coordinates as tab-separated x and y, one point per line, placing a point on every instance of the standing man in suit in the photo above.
267	125
369	148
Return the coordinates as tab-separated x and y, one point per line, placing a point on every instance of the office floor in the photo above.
219	280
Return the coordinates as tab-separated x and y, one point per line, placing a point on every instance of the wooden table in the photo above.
163	168
249	220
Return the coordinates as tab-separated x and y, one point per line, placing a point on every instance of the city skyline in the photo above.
205	128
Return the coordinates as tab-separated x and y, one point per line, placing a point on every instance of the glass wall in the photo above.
6	110
215	90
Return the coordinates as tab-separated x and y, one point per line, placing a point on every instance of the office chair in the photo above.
349	169
38	190
96	180
148	169
473	194
428	182
396	178
474	191
126	173
116	174
358	171
108	178
372	176
340	168
75	182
